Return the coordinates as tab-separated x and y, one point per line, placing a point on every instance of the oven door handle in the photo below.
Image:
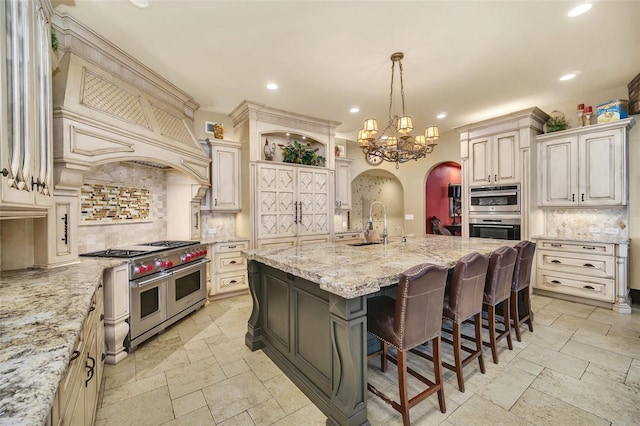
492	194
492	226
142	283
189	267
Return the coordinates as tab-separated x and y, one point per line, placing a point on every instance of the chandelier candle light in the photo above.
395	144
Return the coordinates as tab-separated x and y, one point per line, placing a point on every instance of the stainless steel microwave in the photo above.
495	199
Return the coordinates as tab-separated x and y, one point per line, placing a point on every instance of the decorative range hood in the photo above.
107	107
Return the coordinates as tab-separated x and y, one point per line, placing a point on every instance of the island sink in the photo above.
365	244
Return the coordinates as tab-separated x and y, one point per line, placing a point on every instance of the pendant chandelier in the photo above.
395	144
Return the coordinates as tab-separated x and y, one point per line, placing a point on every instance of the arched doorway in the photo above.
377	185
436	193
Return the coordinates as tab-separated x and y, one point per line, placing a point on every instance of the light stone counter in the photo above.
41	315
214	240
592	238
349	271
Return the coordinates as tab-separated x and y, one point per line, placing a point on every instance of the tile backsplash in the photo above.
566	223
144	199
224	225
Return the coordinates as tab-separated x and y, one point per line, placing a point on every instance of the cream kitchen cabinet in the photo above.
25	121
224	195
229	269
76	401
494	159
343	184
293	203
584	167
584	271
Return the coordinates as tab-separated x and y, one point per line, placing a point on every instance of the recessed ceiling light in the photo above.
579	10
142	4
354	109
272	86
567	77
441	115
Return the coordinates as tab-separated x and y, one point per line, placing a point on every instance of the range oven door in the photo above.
187	287
499	229
495	199
148	303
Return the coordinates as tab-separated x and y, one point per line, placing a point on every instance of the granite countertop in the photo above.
591	238
215	240
41	314
351	272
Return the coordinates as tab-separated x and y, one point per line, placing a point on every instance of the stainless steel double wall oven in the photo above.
494	212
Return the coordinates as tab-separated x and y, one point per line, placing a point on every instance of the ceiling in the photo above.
471	59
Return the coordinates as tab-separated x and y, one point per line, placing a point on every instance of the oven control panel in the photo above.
165	260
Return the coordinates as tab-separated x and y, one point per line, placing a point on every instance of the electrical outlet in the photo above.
408	217
611	231
344	225
211	231
594	230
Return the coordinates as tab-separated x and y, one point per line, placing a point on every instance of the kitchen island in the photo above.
309	310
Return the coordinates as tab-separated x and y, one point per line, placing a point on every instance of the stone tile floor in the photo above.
581	366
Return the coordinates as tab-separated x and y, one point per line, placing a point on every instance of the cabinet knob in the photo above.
5	172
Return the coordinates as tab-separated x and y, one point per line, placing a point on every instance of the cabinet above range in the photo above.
585	167
224	194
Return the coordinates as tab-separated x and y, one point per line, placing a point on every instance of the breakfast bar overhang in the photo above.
309	310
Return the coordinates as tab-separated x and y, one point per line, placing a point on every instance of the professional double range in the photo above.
167	281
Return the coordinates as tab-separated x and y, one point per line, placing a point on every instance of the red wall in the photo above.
436	192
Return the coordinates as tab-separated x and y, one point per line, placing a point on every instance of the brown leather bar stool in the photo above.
497	289
462	301
413	318
521	281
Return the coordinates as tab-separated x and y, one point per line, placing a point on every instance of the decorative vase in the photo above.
269	150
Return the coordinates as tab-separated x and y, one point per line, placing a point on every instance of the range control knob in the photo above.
169	264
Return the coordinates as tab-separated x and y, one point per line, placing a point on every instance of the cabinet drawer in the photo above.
230	262
230	282
576	247
581	264
231	246
348	238
587	287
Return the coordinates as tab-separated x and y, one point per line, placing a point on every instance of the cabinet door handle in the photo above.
555	282
4	172
489	178
555	261
232	247
74	355
195	218
65	220
556	245
215	201
588	287
233	262
91	371
233	282
589	265
495	178
101	317
588	248
93	308
573	197
295	217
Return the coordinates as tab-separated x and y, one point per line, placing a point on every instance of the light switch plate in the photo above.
408	217
211	231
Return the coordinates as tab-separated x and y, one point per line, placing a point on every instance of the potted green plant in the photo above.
298	153
557	122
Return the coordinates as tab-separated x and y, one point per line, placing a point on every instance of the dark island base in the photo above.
316	338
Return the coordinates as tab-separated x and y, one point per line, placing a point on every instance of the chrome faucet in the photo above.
385	235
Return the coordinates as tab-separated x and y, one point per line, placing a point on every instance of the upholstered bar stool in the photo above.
497	289
521	283
413	318
462	301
